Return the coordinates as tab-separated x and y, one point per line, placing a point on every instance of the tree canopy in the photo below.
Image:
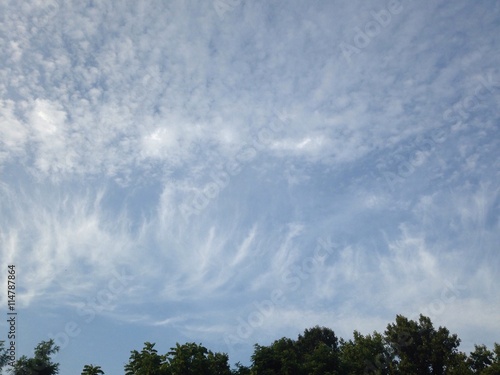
92	370
40	363
407	347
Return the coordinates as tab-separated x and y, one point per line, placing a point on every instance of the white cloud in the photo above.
13	133
244	250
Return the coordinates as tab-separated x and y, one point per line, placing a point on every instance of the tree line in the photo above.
406	347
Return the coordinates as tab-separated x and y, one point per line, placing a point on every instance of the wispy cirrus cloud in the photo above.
206	157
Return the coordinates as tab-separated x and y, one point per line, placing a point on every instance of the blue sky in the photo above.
232	172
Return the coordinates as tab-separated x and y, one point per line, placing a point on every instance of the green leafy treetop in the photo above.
147	362
92	370
318	351
407	347
315	352
365	355
194	359
420	348
187	359
494	369
241	370
480	358
4	357
40	364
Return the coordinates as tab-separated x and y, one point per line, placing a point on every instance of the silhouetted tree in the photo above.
92	370
365	355
147	362
494	368
419	348
4	357
318	351
278	358
241	370
40	364
480	359
407	347
194	359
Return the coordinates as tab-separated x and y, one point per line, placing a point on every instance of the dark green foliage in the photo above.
147	362
40	364
460	366
407	347
420	348
281	357
314	352
187	359
494	369
365	355
92	370
480	359
194	359
4	358
218	363
318	351
241	370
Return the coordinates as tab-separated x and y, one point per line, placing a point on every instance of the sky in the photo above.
230	172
